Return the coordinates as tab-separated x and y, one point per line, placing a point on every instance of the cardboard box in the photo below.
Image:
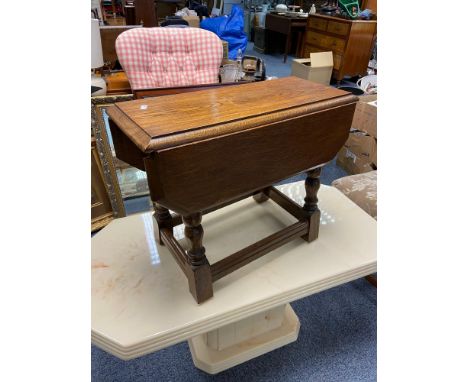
365	116
317	68
193	21
227	61
373	157
352	163
359	153
362	145
368	98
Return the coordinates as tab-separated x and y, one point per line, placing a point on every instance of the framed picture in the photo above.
122	180
101	208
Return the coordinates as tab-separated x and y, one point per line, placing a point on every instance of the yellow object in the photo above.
193	21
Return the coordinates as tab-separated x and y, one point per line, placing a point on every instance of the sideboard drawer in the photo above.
332	43
308	49
325	41
316	23
315	38
338	28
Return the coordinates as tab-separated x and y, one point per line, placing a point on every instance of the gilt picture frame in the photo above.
99	131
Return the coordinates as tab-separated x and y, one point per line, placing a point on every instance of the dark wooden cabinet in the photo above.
145	13
351	42
286	26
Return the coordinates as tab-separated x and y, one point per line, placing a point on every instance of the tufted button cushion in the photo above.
361	189
168	57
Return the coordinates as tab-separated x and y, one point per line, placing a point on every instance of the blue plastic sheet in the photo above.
229	28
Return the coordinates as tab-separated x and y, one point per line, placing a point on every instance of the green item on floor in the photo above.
350	7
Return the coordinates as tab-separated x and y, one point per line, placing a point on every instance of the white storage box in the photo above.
317	68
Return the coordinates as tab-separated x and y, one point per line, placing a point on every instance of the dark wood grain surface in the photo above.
201	175
158	122
258	249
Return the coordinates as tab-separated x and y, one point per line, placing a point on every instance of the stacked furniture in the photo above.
231	143
351	42
250	314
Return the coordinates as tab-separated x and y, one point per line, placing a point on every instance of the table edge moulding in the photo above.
204	150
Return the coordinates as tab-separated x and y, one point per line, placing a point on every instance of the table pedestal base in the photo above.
244	340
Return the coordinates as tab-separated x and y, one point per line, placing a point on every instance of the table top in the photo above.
140	300
189	117
341	19
287	17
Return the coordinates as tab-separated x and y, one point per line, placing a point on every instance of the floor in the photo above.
337	340
275	66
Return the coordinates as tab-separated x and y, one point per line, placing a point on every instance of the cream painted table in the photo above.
141	303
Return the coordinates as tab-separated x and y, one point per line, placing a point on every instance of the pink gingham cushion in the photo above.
167	57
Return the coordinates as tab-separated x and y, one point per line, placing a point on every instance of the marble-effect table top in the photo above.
140	298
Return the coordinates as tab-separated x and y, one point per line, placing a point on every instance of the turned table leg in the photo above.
163	218
161	214
261	196
312	185
200	282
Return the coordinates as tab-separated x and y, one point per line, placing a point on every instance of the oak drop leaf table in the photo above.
207	149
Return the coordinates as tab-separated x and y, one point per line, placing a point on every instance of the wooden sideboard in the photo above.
351	42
